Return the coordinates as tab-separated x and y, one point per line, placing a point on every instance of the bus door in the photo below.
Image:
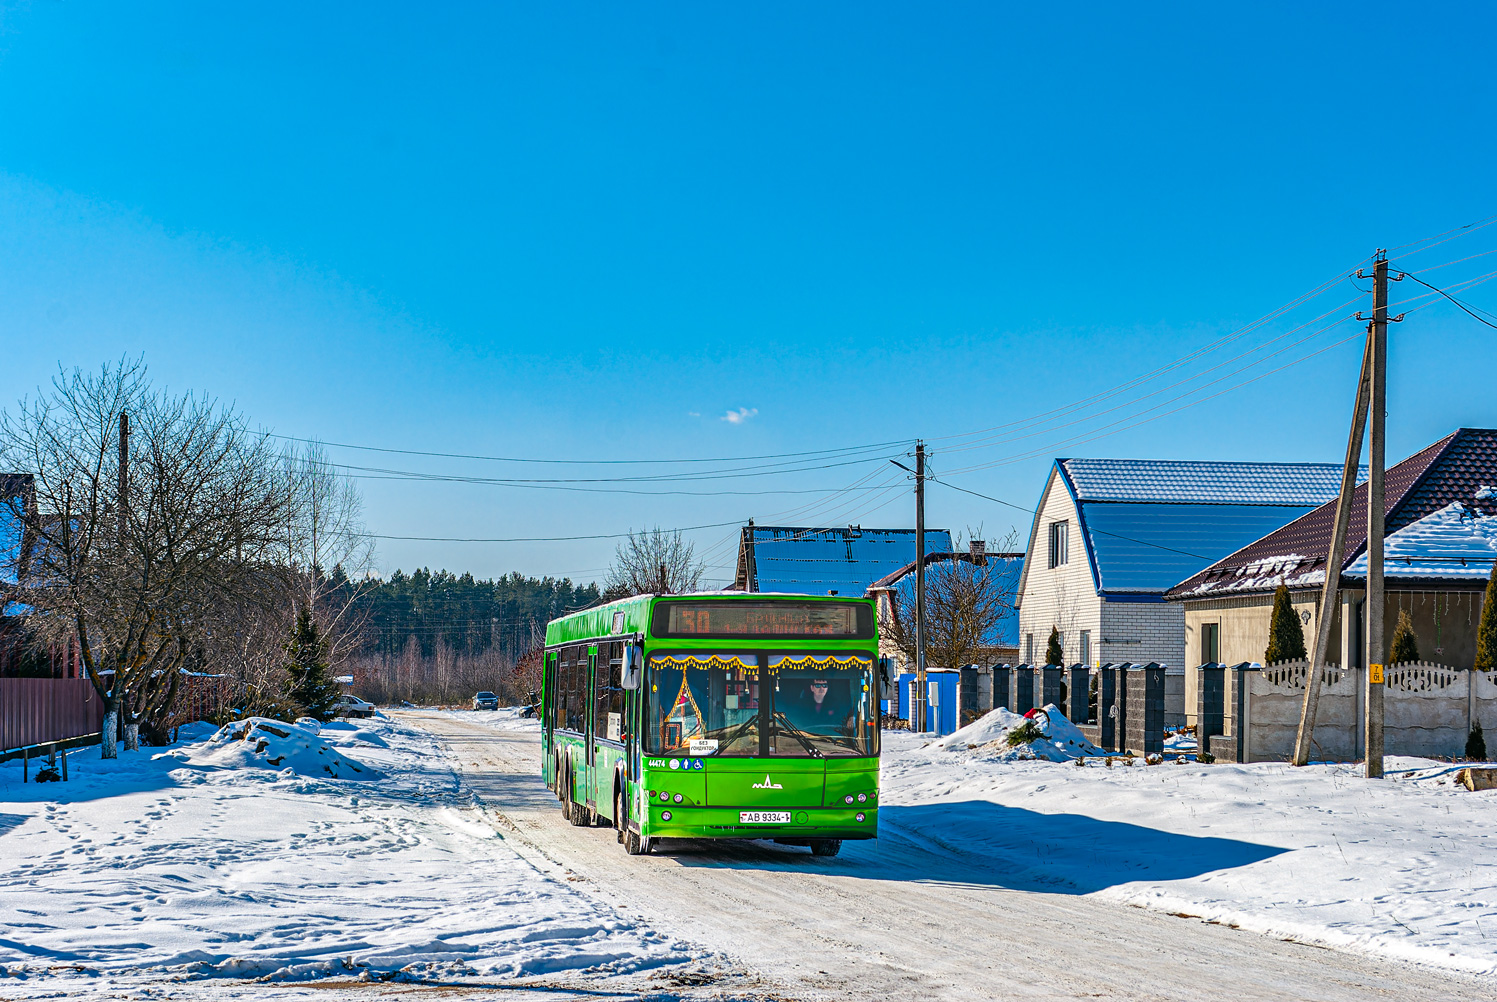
548	714
590	741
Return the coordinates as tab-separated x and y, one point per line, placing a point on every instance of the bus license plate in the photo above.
764	817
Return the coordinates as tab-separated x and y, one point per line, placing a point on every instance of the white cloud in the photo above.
693	413
741	415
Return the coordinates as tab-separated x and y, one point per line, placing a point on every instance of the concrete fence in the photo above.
1428	710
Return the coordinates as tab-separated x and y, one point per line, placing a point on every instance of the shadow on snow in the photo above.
978	842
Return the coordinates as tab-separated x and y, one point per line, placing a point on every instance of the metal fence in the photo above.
36	711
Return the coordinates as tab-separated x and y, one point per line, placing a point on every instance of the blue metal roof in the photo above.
1150	548
1181	482
811	561
1008	628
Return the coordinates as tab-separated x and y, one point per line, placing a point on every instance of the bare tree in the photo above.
134	568
654	561
966	601
329	553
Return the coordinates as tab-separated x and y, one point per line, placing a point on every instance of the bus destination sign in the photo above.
764	619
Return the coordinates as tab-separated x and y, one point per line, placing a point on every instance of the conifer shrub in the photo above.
1405	644
309	678
1476	744
1286	635
1023	734
1486	630
1054	655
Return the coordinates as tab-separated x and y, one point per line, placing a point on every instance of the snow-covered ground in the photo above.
1405	867
210	862
238	856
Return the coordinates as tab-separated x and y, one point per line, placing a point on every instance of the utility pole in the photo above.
1331	589
921	694
1375	495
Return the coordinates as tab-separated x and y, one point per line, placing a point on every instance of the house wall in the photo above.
1243	632
1063	597
1141	632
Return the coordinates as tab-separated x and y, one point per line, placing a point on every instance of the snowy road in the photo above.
908	916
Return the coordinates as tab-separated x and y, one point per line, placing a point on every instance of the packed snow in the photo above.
1404	867
215	860
258	742
989	737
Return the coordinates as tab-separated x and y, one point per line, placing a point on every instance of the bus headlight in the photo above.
860	815
665	795
665	815
847	799
862	798
678	798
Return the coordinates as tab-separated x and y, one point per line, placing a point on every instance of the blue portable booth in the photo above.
942	709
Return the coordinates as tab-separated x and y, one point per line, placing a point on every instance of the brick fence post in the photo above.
1144	730
1001	675
1211	709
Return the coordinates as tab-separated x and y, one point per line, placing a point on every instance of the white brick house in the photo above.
1111	536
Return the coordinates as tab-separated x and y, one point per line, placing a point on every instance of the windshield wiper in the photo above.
798	734
737	732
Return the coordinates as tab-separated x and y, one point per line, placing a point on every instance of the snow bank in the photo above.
263	743
206	863
988	737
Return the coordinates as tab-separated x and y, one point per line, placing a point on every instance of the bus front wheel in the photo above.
637	846
826	846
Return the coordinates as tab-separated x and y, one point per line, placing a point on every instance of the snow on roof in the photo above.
1449	470
1454	542
1183	482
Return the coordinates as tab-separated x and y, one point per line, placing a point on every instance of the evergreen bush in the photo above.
1053	653
309	677
1486	631
1476	744
1286	635
1405	644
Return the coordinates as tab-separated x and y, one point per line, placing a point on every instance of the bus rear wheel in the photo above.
826	846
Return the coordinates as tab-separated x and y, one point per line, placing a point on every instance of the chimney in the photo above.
979	550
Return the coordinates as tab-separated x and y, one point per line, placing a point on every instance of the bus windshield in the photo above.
823	705
815	705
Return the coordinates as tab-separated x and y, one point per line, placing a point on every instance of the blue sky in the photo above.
592	232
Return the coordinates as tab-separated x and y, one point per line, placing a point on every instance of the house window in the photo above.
1060	538
1210	643
1029	648
1086	647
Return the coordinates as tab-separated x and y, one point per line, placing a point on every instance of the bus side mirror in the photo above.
888	689
631	676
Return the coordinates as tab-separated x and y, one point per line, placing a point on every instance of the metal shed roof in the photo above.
819	561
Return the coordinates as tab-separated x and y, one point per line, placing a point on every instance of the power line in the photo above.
1091	529
537	539
588	462
1409	274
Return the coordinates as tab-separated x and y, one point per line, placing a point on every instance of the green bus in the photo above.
732	715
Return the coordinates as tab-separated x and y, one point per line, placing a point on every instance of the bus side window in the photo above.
578	705
608	710
550	690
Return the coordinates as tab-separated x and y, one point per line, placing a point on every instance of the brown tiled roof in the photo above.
1450	470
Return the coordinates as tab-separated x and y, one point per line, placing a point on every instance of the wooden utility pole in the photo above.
1376	457
921	695
1337	555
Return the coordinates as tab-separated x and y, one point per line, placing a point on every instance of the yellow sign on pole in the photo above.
1375	674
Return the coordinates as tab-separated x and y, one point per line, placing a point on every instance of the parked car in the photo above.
485	701
352	706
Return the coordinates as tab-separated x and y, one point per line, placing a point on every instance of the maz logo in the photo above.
767	785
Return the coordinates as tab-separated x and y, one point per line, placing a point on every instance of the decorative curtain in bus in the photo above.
703	704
